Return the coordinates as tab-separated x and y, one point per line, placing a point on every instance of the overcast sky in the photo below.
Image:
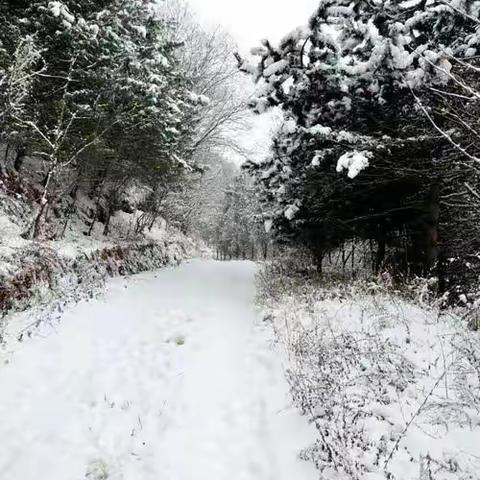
251	20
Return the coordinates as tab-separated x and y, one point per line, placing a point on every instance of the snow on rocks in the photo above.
46	275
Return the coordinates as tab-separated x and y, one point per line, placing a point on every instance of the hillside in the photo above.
78	261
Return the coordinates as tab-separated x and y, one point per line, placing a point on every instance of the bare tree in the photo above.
207	56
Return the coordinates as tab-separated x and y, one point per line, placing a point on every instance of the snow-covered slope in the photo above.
169	376
34	273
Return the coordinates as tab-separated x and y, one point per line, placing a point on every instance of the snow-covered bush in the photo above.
391	386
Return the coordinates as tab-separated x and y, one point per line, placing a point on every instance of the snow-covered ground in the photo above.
392	385
36	274
170	375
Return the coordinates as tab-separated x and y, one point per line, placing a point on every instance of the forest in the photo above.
374	155
289	227
378	145
86	86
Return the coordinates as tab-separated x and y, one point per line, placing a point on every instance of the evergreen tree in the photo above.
355	157
107	91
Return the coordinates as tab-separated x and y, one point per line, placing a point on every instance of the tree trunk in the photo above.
106	228
97	203
36	229
152	223
318	257
380	257
432	216
70	211
319	265
19	159
95	216
353	261
7	151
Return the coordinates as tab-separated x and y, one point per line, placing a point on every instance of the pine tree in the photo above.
356	158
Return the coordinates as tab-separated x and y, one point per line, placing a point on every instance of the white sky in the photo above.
252	20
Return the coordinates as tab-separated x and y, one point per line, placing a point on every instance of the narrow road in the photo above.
170	376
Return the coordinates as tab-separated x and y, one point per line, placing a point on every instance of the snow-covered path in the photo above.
169	376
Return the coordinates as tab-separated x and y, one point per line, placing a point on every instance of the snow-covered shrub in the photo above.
391	385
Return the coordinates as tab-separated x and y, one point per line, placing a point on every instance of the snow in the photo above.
95	29
55	8
59	9
395	383
317	159
320	130
268	225
204	100
410	4
300	33
291	212
275	68
400	57
169	376
258	51
354	162
470	52
268	173
199	99
290	126
141	30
